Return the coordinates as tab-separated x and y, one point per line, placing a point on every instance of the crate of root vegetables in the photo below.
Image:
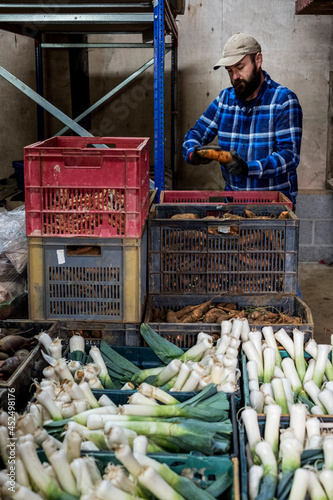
285	457
19	358
198	249
281	369
177	317
81	186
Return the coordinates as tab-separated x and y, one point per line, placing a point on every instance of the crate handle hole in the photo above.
83	250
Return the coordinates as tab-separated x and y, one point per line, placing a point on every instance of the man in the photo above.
257	120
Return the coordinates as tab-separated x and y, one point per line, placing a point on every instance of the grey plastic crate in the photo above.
88	279
222	256
184	334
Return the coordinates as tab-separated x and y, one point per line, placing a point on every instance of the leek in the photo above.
268	486
151	480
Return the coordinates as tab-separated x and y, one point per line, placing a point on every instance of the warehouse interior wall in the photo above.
297	52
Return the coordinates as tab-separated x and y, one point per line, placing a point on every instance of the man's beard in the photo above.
243	88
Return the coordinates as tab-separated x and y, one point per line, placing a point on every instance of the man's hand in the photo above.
238	166
196	159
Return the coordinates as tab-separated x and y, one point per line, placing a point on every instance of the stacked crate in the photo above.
250	261
87	202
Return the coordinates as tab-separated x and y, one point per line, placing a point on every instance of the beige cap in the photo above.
237	47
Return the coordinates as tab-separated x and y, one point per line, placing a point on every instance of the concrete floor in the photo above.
316	285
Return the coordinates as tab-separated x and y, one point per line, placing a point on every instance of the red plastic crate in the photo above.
75	189
259	197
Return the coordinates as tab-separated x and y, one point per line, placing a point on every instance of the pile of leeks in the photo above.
66	475
304	374
192	370
290	461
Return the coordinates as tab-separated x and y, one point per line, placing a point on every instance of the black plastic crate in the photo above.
88	279
185	334
222	256
18	388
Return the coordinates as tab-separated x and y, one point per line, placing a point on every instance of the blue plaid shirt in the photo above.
265	132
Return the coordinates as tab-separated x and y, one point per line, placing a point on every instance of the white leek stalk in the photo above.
312	428
328	451
250	419
104	400
171	370
245	330
96	355
139	399
326	479
76	343
65	476
256	338
36	471
128	387
257	401
223	344
288	390
269	363
309	371
316	410
313	391
267	390
140	444
80	469
283	338
55	349
255	475
268	333
297	421
252	355
84	386
226	327
290	372
49	373
299	353
73	366
237	326
154	392
107	491
192	382
151	480
253	385
68	410
197	350
62	370
315	489
74	390
125	456
291	450
300	485
322	355
272	427
45	399
326	399
73	445
81	405
278	372
45	339
265	453
280	395
183	375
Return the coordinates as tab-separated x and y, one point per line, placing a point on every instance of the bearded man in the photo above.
257	120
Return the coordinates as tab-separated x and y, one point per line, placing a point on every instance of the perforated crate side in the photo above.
185	334
107	281
222	256
73	189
